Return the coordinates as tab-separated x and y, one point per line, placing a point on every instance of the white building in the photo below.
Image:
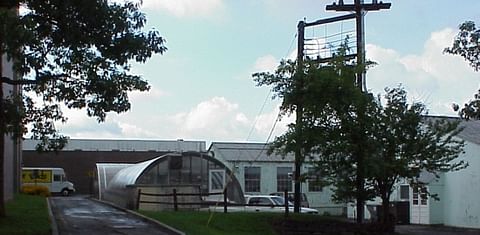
458	191
260	173
459	204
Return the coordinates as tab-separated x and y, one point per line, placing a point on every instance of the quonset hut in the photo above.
187	172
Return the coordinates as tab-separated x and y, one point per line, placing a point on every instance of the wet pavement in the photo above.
434	230
80	215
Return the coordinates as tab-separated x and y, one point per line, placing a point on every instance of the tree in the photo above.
75	53
467	45
326	97
410	143
351	137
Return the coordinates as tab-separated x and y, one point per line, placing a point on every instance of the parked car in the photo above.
303	198
271	203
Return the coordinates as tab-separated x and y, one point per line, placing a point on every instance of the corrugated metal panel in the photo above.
246	152
127	145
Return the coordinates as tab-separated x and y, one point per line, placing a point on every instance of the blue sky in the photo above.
202	87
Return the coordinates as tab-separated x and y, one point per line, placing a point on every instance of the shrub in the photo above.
36	190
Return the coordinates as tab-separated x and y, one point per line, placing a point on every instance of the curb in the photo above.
53	221
143	217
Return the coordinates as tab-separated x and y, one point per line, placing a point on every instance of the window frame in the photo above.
252	184
284	181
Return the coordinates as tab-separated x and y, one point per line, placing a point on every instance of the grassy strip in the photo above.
195	223
26	215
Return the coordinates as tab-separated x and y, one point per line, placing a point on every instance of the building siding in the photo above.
462	190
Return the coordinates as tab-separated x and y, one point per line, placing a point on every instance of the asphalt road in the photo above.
80	215
434	230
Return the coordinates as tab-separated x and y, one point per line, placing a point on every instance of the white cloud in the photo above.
266	63
153	94
216	118
434	78
186	8
266	122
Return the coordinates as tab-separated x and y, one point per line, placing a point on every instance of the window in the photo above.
217	181
419	195
404	192
252	179
57	178
284	181
260	201
423	196
314	177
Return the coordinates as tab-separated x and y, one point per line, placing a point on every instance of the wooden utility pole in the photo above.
359	7
299	86
299	117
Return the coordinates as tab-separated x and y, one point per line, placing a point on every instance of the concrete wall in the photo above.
462	190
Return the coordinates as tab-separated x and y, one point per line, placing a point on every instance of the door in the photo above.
57	184
216	181
420	211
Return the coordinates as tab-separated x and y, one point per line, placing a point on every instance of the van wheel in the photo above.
65	192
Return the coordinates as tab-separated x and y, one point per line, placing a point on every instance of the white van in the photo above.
53	178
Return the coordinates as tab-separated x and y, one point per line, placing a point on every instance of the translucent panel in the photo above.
191	168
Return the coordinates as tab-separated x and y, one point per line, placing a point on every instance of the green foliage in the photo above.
75	53
27	215
358	145
36	190
467	45
410	142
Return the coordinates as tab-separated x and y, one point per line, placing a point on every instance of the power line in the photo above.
268	95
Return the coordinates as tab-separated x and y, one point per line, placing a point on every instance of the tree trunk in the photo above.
296	196
2	140
387	220
360	183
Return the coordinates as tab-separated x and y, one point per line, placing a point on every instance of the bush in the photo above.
39	190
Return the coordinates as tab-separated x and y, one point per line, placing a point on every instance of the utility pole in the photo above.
299	86
359	7
299	117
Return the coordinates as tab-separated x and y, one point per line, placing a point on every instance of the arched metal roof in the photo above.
130	174
117	183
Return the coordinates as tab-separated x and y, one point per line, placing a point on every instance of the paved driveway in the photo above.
434	230
80	215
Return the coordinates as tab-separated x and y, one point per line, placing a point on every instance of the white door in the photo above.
216	181
419	211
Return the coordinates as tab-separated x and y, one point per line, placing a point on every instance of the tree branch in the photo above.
18	82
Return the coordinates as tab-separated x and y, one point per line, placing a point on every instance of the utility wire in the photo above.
268	95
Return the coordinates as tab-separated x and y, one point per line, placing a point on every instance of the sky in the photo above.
202	87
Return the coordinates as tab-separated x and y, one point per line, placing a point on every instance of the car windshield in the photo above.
279	201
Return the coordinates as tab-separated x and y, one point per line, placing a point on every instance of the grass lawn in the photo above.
195	223
244	223
26	215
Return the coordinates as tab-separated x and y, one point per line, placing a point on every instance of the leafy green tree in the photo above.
467	45
330	100
359	146
75	53
409	143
